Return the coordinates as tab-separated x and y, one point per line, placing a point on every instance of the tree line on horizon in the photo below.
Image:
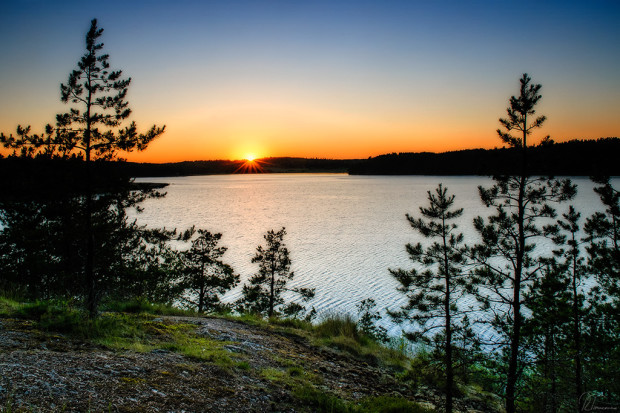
577	157
572	158
65	234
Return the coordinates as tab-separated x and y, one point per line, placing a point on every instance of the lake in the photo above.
343	232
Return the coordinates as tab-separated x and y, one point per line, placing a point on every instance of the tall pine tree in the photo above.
603	324
94	128
433	294
507	263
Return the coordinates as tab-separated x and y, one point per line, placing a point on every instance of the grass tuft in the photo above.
141	305
335	325
321	401
390	404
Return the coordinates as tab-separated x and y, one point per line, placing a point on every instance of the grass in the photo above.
136	326
203	349
128	325
335	331
134	330
306	388
341	332
140	305
8	306
322	401
334	325
180	338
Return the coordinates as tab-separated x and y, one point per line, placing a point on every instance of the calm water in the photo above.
344	232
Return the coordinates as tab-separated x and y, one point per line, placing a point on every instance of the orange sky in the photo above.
322	79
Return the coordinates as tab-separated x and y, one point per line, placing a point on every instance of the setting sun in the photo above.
250	157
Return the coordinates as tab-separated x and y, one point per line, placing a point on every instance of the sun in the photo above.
250	165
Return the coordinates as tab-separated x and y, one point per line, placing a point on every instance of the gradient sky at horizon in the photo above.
328	79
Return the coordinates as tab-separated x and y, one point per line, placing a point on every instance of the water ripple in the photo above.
344	232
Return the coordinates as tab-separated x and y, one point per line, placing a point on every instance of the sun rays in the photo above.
250	165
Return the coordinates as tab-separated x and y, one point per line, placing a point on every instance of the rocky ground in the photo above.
52	372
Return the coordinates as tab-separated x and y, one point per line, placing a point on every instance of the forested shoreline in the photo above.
572	158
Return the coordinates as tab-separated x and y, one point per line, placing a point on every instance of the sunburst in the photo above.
250	165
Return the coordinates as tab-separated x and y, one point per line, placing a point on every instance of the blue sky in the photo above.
326	79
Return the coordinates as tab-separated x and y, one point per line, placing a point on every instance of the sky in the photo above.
321	79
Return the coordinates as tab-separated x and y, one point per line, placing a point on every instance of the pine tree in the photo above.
367	321
507	265
92	129
205	275
603	230
577	272
264	292
603	322
433	294
546	336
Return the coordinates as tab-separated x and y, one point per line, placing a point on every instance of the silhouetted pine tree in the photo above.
546	339
204	275
507	265
367	320
603	323
264	292
603	229
433	294
93	129
577	273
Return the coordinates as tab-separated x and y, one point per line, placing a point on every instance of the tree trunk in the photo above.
201	298
577	337
448	361
271	297
511	380
515	339
91	299
554	384
272	289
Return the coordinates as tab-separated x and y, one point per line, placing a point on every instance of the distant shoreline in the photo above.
572	158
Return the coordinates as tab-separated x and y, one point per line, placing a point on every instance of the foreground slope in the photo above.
195	364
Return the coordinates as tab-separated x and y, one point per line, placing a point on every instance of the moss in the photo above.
167	329
275	375
243	365
132	380
295	371
390	404
291	377
118	343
